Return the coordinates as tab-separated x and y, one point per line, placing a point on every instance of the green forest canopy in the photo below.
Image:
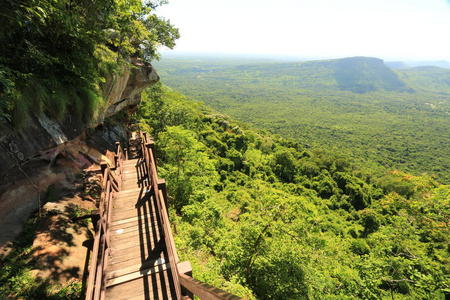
379	117
264	217
54	55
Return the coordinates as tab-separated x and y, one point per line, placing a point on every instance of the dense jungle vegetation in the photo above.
378	117
264	217
55	55
256	214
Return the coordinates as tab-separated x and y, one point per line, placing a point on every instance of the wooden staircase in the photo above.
138	263
134	256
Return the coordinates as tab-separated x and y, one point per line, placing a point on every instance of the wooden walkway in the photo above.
138	264
134	254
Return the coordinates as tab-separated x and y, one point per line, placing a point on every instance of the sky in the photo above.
387	29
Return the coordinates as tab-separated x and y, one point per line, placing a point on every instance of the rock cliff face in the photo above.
41	145
122	92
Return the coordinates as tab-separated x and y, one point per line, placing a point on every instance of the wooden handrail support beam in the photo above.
185	285
96	285
162	210
203	290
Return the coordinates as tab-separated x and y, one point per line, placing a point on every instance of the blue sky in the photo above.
388	29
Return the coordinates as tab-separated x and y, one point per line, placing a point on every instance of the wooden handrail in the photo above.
182	281
185	285
162	211
203	290
96	284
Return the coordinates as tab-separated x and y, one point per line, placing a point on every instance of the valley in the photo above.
384	119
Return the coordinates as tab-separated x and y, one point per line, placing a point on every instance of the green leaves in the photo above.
73	46
261	216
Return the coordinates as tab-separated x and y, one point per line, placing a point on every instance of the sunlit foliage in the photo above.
265	218
55	54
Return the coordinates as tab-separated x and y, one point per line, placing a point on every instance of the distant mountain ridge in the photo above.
355	74
391	118
359	75
365	74
412	64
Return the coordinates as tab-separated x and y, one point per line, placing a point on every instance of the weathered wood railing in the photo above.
185	285
96	284
118	162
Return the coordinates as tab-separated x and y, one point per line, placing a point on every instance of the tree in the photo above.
189	169
54	54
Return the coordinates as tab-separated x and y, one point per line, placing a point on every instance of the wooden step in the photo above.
133	237
150	287
136	191
131	161
147	251
128	261
131	219
129	228
114	280
125	213
131	268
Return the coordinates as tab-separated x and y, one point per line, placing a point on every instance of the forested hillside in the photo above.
378	117
264	217
55	55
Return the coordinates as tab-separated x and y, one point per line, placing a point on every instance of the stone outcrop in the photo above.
43	142
19	196
124	91
41	135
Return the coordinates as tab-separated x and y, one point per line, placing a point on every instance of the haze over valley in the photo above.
387	118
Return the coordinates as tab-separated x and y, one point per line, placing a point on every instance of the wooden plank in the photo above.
131	179
135	196
114	272
93	264
136	189
127	204
137	274
133	244
145	253
134	183
129	183
134	225
131	162
148	287
130	208
125	232
130	166
145	262
127	220
148	235
142	229
135	192
152	239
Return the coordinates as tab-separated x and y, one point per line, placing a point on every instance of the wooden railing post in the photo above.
96	286
151	145
145	136
185	285
186	269
163	188
148	160
103	166
116	160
